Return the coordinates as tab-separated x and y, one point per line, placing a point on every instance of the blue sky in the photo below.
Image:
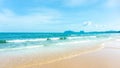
59	15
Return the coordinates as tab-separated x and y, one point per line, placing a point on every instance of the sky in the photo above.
59	15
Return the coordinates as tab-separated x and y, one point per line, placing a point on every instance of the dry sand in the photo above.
107	57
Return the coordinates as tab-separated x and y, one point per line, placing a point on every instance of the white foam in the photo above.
35	46
26	40
74	37
17	41
20	48
73	42
31	40
80	37
118	40
92	36
54	38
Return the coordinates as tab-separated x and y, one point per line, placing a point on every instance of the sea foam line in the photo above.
44	39
30	40
21	48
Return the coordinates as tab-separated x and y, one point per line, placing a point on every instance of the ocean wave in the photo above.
25	40
18	46
31	40
72	42
74	37
21	48
54	39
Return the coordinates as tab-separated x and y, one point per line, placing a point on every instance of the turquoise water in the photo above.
29	40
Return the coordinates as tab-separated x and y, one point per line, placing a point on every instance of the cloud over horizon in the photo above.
36	15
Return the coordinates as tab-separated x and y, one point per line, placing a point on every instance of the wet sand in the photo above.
94	57
108	57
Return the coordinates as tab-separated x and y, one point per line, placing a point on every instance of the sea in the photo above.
17	41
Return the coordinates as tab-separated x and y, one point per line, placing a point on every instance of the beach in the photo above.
90	55
108	57
59	33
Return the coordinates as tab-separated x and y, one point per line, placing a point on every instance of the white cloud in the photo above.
45	11
35	21
87	23
73	3
7	12
48	16
112	3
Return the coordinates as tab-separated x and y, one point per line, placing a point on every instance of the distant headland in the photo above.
83	32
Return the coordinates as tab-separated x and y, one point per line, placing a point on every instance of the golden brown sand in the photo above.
107	57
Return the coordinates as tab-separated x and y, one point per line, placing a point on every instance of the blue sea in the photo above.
15	41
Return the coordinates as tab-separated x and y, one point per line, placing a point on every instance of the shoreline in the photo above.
108	57
39	58
69	56
45	55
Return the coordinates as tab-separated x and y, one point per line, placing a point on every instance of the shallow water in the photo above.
16	41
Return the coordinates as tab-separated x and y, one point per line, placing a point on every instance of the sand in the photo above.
108	57
94	57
